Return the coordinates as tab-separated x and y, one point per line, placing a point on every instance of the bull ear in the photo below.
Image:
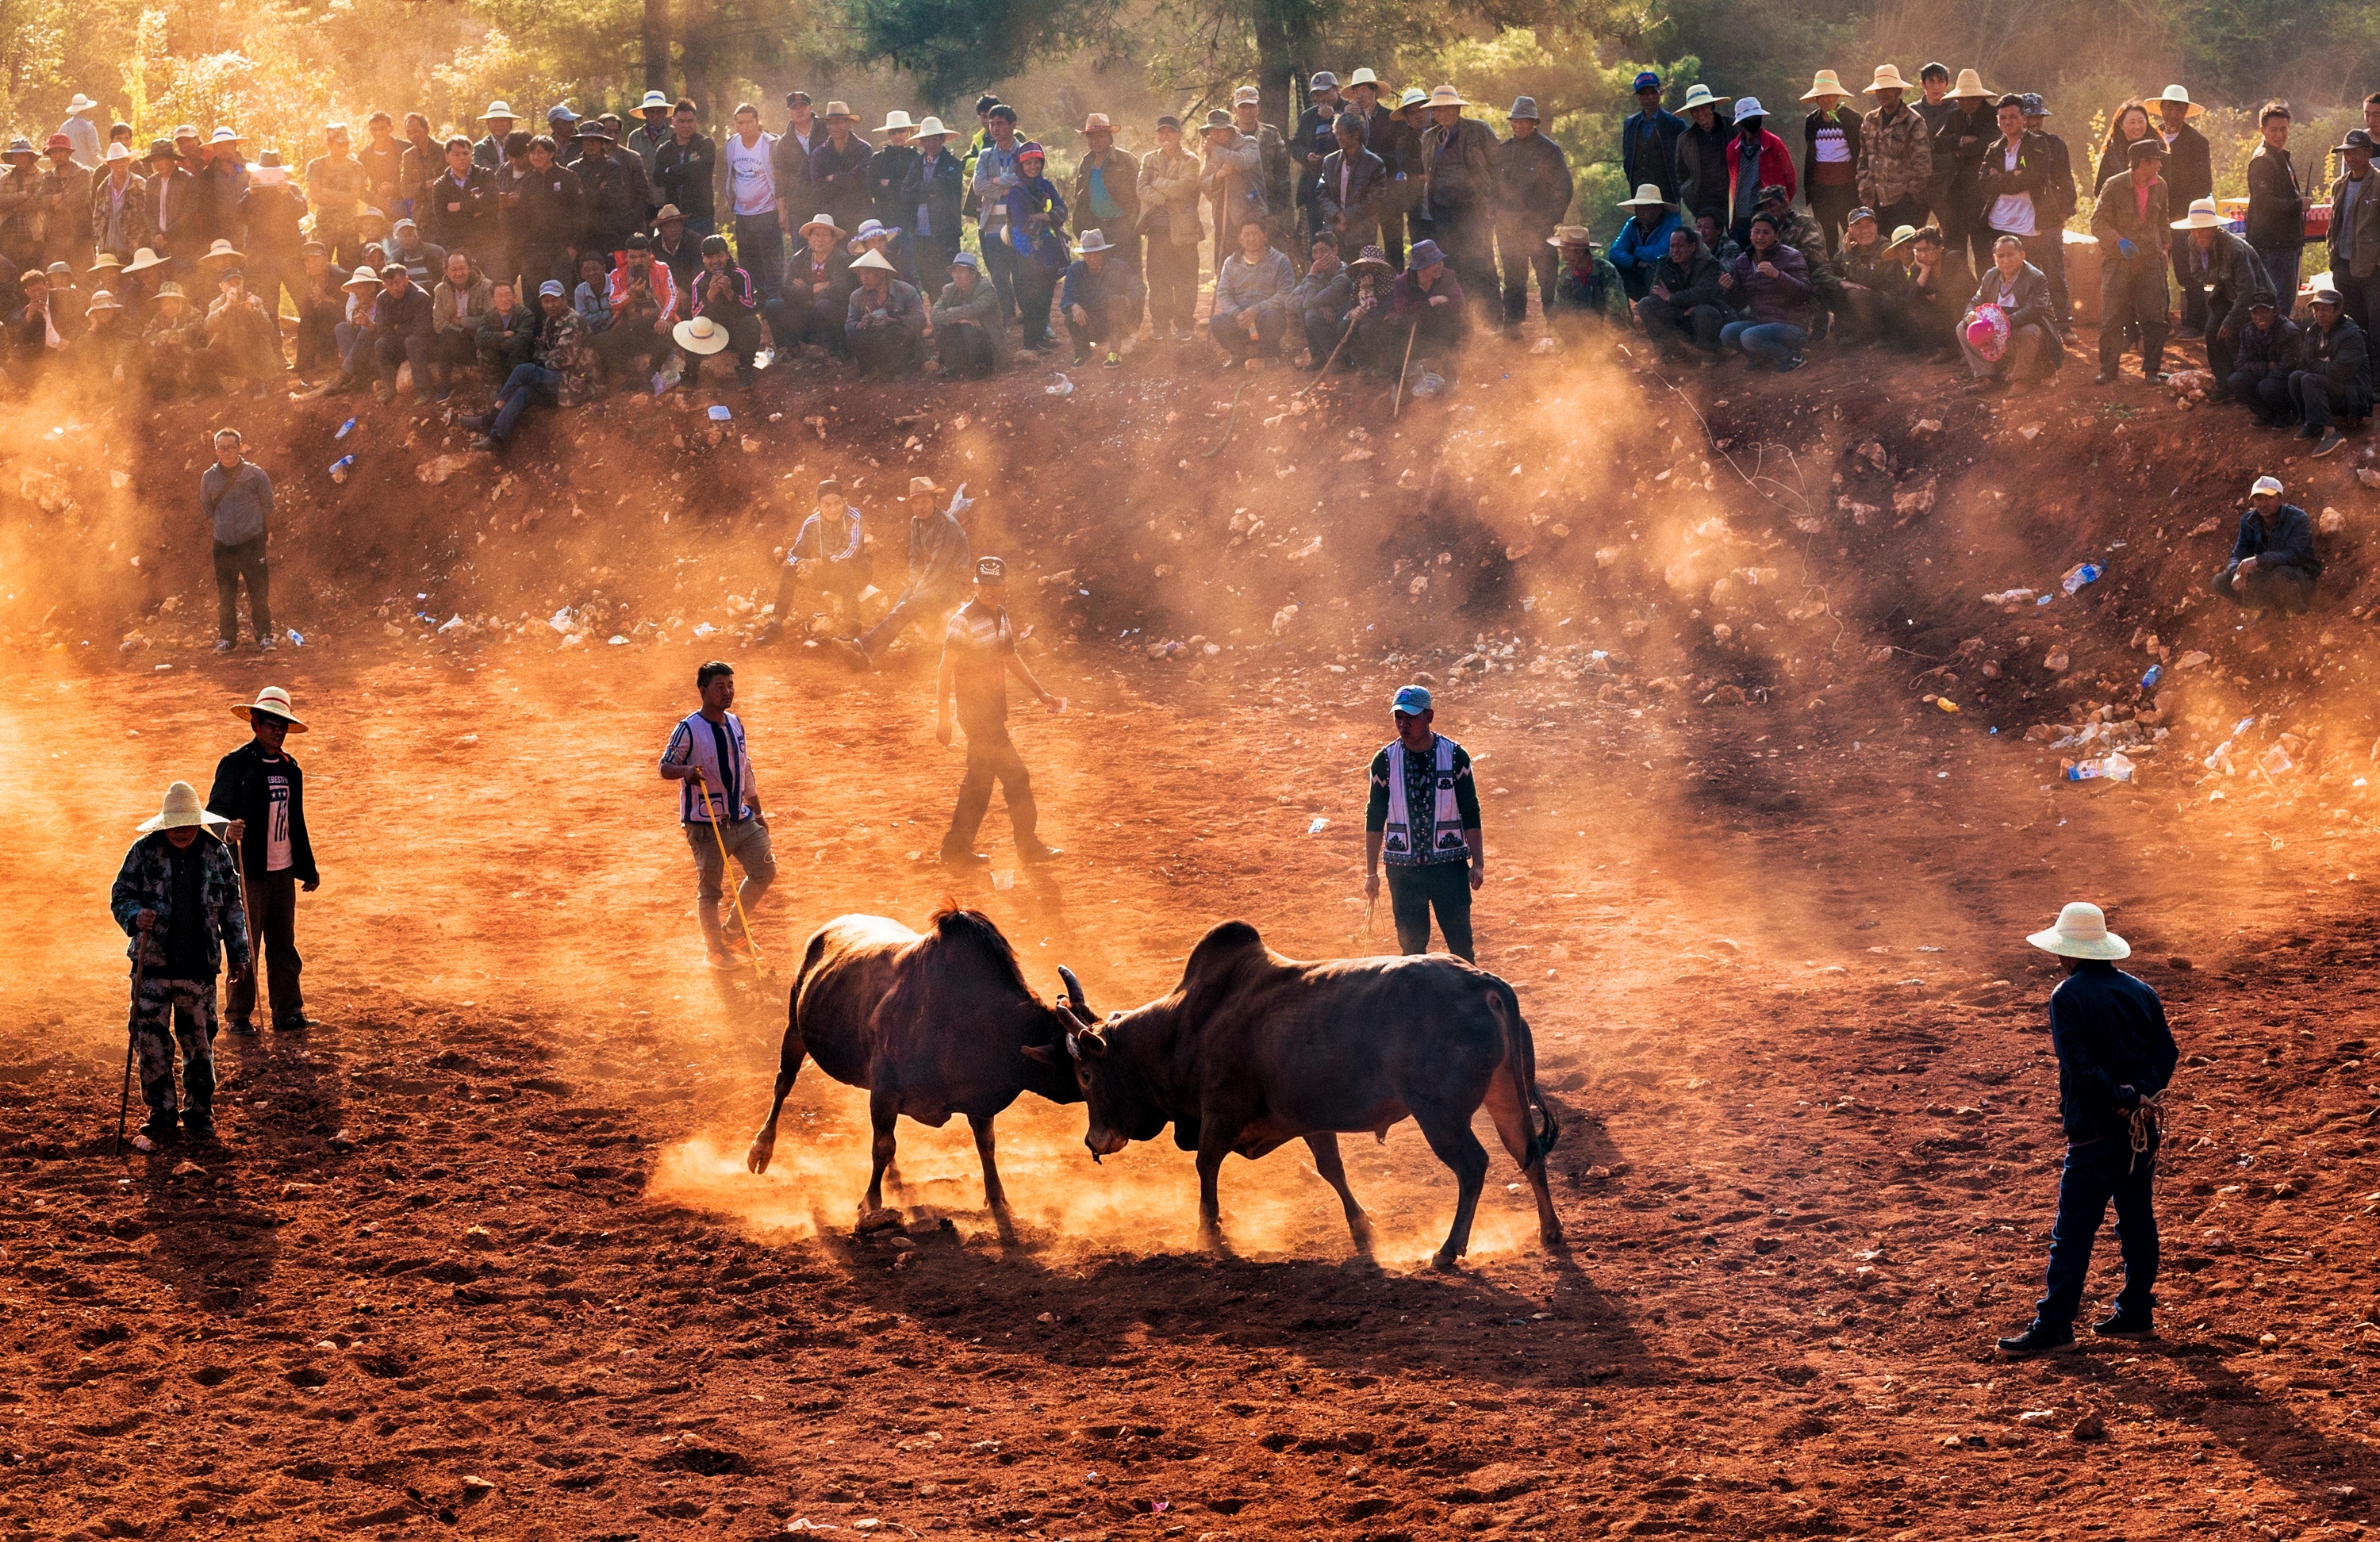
1090	1044
1044	1053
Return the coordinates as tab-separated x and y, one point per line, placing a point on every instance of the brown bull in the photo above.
932	1025
1251	1050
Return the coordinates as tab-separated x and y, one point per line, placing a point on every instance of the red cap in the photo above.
59	141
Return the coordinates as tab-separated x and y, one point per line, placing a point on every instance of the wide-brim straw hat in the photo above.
1446	96
80	104
105	259
818	220
1093	240
143	259
2178	96
273	702
1970	85
1824	84
223	251
700	335
1093	121
182	808
931	127
169	290
1699	95
2201	216
1902	236
1571	236
896	119
874	261
921	485
500	110
363	277
2081	933
1649	196
838	110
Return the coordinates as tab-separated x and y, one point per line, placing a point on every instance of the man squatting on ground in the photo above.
1423	819
718	806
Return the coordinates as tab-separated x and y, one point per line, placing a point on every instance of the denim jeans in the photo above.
528	380
1000	261
2097	1173
1772	342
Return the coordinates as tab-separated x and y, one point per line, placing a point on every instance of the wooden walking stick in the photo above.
131	1026
760	971
1399	405
1323	373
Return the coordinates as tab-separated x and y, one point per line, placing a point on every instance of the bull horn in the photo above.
1073	1049
1073	989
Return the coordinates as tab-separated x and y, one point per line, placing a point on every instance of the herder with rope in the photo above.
259	789
2115	1058
178	898
719	805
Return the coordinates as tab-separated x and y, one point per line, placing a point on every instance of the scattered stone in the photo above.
476	1488
186	1168
2090	1427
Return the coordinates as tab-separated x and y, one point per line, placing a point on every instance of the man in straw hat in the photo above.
1701	184
1423	820
2189	173
884	321
65	205
815	296
719	808
2272	564
931	197
174	345
260	790
81	134
2115	1057
2133	225
1107	195
1831	154
888	171
652	130
21	201
940	563
1648	138
1532	194
1587	296
236	498
838	167
498	120
119	206
978	655
1642	241
1959	142
178	898
1100	299
2228	278
1458	195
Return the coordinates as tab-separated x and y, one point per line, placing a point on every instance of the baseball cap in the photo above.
991	570
2265	484
1413	700
552	286
1646	80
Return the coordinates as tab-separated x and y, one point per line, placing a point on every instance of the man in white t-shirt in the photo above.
762	219
258	788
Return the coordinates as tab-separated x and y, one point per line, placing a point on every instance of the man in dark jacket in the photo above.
685	167
1830	153
2355	229
1459	192
178	898
1700	180
1314	138
2273	565
2189	172
2337	374
932	199
1685	303
2132	226
2267	354
548	216
2021	295
1649	139
403	332
176	211
261	791
2115	1059
618	198
2226	274
2055	205
1957	155
839	168
1533	188
1873	283
2277	203
1354	185
458	210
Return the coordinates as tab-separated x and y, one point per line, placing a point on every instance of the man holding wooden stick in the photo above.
178	898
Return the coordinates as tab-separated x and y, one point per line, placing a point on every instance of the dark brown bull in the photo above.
1251	1050
932	1025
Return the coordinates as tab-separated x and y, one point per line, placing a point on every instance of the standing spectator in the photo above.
839	167
994	176
1458	195
2337	376
828	555
2012	178
939	566
686	164
320	304
2189	175
1934	102
815	299
1643	239
978	654
334	187
548	215
2020	293
1037	232
81	134
969	338
1273	157
494	150
1102	299
1958	144
2130	128
1251	310
929	198
175	210
1107	197
178	898
382	158
1355	187
1169	203
259	789
1533	188
2268	353
223	181
2272	564
1377	116
1314	139
120	208
561	373
653	131
462	300
2275	202
2055	204
719	808
789	157
1423	821
725	303
21	203
2133	222
458	208
618	198
423	159
1684	303
1895	159
1830	156
236	498
762	221
889	174
1701	181
401	332
1771	283
271	210
2228	277
1649	136
1770	166
1233	180
242	337
2355	229
884	321
66	202
1402	218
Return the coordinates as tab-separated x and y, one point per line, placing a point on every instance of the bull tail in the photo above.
1521	1064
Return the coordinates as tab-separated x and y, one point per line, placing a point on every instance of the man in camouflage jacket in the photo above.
177	898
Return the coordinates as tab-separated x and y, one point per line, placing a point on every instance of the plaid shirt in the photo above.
146	882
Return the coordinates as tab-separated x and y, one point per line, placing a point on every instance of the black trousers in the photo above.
273	912
1415	890
992	756
1669	325
967	352
2265	390
2321	399
1520	252
2287	589
2194	297
2098	1173
233	564
1829	206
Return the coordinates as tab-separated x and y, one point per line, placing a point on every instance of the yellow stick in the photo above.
741	919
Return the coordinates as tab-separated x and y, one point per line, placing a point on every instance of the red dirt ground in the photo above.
1762	900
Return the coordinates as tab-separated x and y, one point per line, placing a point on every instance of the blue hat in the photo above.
1425	254
966	259
1411	701
1647	80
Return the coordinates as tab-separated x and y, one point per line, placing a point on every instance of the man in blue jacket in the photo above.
2273	565
1649	139
2115	1058
1644	240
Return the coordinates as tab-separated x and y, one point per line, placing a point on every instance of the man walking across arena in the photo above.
719	805
2115	1058
236	497
978	654
1424	821
258	788
178	898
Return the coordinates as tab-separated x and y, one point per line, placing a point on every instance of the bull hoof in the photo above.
757	1159
1551	1236
1445	1262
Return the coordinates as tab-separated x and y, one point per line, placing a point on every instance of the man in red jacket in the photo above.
1772	163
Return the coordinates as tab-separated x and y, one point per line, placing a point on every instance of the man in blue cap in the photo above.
1648	140
978	655
1424	821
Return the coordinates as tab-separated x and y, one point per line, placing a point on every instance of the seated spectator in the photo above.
1716	240
1374	339
562	374
2267	354
38	330
1644	240
322	304
354	331
507	335
884	322
677	247
644	312
2335	379
1322	300
1102	296
1430	303
1588	293
970	335
105	350
2025	333
1774	285
135	283
592	296
425	260
1873	281
1932	296
876	236
463	299
722	297
2228	277
1685	306
401	332
816	294
1251	309
173	346
2273	565
1798	229
829	556
244	339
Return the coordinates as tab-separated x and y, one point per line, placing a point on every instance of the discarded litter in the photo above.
618	641
560	621
2079	575
2274	761
297	639
1004	879
2155	673
704	630
720	414
2045	600
453	623
1429	384
341	466
345	428
1318	827
2115	766
1063	388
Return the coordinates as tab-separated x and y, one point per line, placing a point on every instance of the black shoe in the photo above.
163	1128
2190	334
853	654
2037	1339
2331	440
299	1024
240	1026
2125	1324
1791	364
1034	854
197	1127
965	859
2105	376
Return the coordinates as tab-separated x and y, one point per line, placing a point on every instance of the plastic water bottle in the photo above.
345	428
2148	681
2088	573
341	466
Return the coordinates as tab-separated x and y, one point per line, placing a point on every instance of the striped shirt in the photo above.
717	750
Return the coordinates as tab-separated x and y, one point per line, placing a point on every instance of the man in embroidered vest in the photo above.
978	654
719	805
1424	821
